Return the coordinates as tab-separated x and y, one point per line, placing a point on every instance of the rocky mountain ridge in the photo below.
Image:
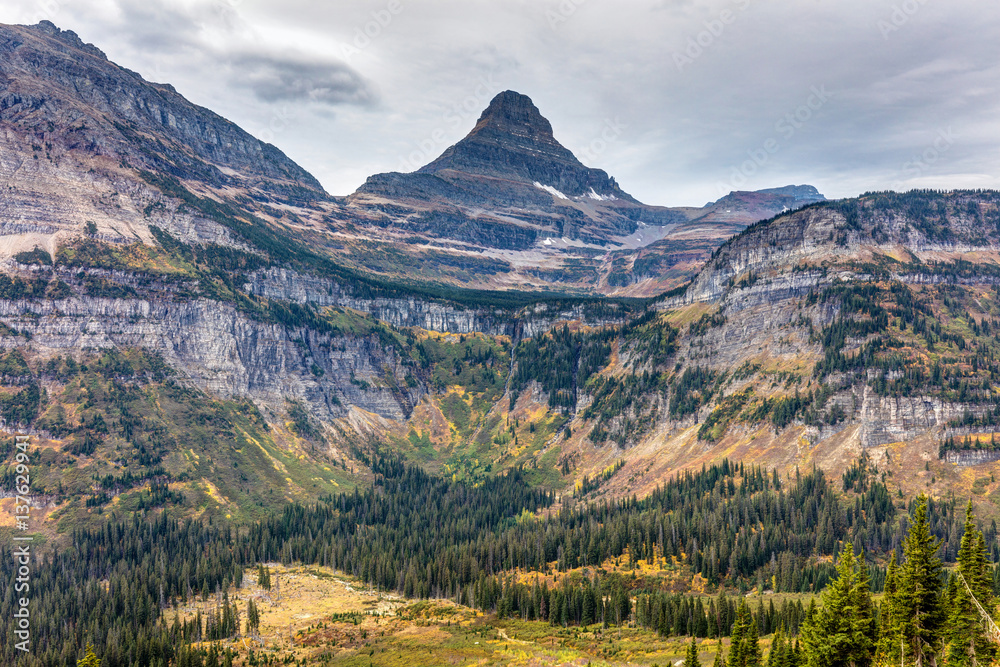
832	329
510	190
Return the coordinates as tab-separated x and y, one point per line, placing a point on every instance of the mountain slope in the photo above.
77	130
512	141
510	192
247	294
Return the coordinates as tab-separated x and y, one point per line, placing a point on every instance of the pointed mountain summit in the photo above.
512	140
510	186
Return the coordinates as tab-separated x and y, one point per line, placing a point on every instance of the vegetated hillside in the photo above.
864	325
730	527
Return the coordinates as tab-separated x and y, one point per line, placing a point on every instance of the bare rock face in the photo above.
76	131
971	458
218	349
509	184
51	81
287	285
513	141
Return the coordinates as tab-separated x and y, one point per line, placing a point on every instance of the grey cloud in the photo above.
276	79
685	130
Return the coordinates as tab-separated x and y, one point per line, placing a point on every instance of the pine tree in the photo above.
691	659
842	632
920	614
968	644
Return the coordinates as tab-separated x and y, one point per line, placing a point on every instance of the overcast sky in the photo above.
680	100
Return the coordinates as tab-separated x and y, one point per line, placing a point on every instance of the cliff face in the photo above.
77	133
439	316
218	349
774	284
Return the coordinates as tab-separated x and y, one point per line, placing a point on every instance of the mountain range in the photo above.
483	412
507	207
170	279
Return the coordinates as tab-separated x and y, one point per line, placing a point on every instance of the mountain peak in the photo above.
67	37
514	142
511	110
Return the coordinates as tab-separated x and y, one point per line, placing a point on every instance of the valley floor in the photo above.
326	618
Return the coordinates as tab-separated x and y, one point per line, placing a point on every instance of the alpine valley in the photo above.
494	410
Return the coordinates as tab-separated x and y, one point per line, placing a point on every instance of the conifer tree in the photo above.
920	614
887	648
741	629
751	647
842	632
776	656
968	644
89	658
720	658
691	659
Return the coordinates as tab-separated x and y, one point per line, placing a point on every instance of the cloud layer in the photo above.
705	96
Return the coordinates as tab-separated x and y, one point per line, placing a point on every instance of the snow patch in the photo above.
593	195
551	190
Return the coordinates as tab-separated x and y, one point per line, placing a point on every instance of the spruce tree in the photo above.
751	647
776	656
968	644
720	658
842	632
691	659
920	613
737	640
887	648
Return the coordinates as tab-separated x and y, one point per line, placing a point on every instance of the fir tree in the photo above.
920	614
887	649
751	647
89	658
968	644
776	656
841	633
741	629
691	659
